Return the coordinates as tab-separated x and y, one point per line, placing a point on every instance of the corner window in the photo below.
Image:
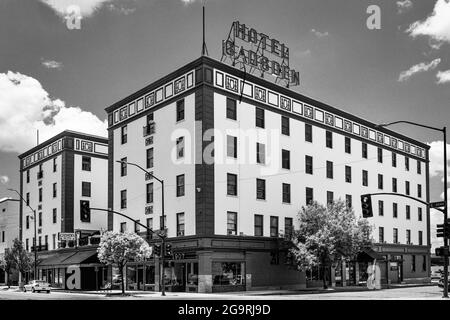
348	145
180	110
285	162
308	165
86	163
308	133
285	129
329	139
231	109
231	223
231	184
260	117
180	185
123	134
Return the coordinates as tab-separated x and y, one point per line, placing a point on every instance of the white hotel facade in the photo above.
55	176
226	219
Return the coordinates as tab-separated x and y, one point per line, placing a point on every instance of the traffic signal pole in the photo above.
445	294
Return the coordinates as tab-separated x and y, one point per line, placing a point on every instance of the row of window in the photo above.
27	219
85	191
395	236
54	242
395	211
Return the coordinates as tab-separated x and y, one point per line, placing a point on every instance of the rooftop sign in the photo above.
259	52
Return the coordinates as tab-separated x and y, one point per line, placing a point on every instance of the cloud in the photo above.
421	67
404	5
436	26
52	64
121	9
87	7
319	34
27	107
4	179
443	76
436	155
187	2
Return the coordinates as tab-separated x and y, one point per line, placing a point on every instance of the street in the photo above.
407	293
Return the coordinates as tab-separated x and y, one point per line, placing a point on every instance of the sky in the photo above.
59	72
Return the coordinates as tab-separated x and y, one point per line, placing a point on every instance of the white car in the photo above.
37	285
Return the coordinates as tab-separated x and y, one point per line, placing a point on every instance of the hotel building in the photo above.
275	150
9	230
55	177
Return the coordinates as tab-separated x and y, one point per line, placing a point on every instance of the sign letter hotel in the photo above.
258	56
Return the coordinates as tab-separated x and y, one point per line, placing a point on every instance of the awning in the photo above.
81	257
368	254
54	259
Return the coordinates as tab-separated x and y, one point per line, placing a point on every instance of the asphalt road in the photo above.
412	293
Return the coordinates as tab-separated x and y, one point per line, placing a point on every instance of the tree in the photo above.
120	248
7	264
326	235
22	259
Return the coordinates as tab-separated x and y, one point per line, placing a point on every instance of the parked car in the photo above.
37	285
436	274
441	280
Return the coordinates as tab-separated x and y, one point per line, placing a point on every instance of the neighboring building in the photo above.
9	230
226	219
55	177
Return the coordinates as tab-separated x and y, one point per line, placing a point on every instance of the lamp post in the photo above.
162	236
34	240
445	211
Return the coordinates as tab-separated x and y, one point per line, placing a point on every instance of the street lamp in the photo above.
445	211
34	240
162	236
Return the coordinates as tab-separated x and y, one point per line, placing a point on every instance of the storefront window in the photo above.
192	273
228	273
116	279
149	274
131	278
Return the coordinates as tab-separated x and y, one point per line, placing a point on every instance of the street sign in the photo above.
437	204
66	236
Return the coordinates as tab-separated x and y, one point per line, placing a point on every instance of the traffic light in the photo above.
443	230
157	249
85	211
168	249
442	251
366	204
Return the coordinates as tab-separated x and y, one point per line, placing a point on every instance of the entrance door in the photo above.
180	277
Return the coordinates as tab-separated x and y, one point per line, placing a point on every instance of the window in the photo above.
149	158
123	134
3	236
85	189
419	190
231	109
288	227
232	147
260	117
285	162
380	234
408	212
54	241
407	188
285	129
180	110
348	145
46	241
330	197
420	238
380	155
419	167
364	150
329	139
228	273
308	133
406	163
395	235
273	226
259	220
348	174
394	184
123	199
180	185
40	194
232	223
231	184
395	210
54	215
260	153
54	190
28	198
28	222
54	165
408	236
40	241
308	165
86	163
380	208
180	147
123	227
413	263
380	181
180	224
394	159
330	169
40	219
28	176
286	193
424	263
260	189
419	214
149	192
123	167
309	195
365	178
348	201
27	245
